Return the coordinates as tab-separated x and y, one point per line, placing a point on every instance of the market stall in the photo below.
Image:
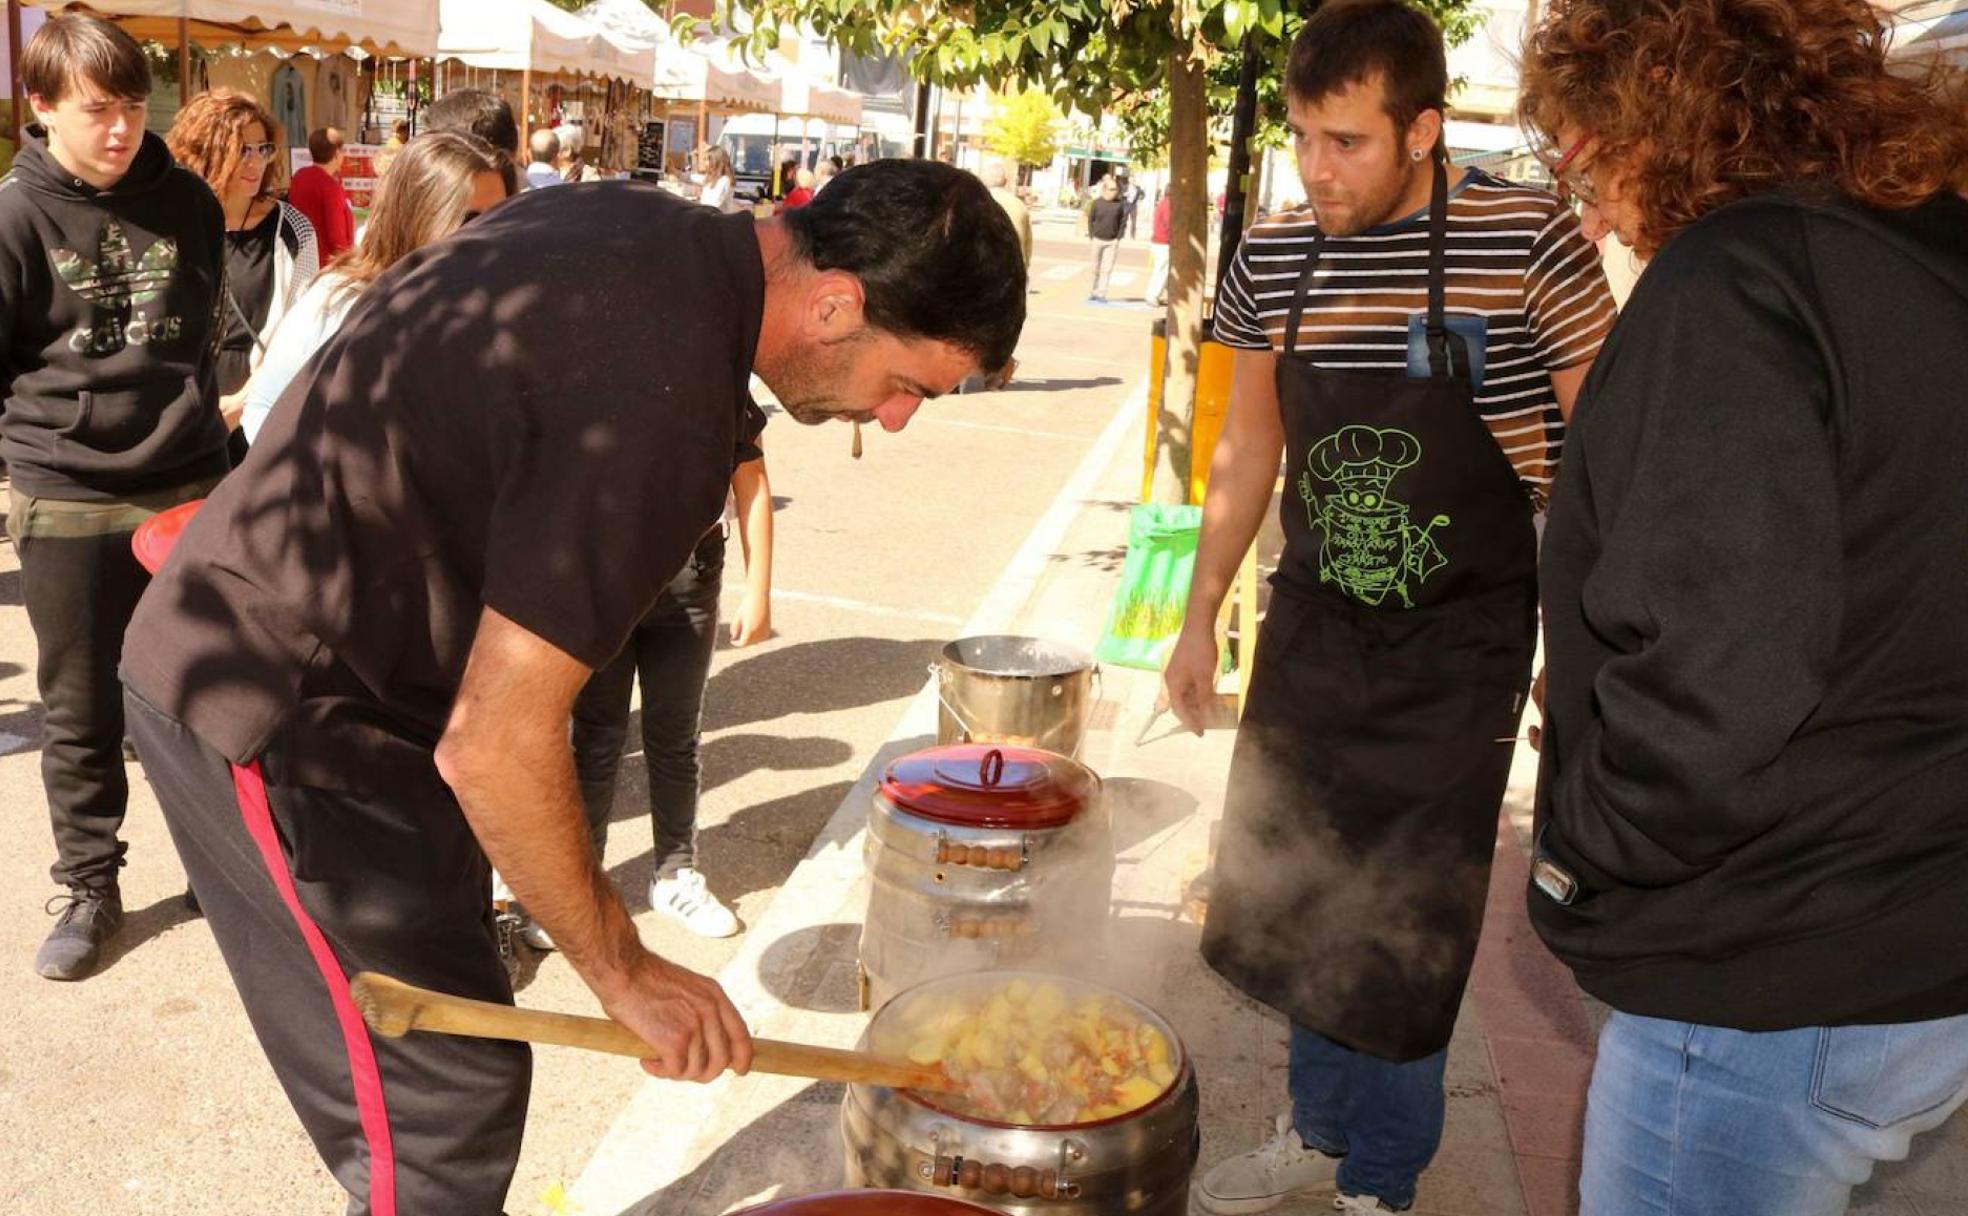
694	80
549	49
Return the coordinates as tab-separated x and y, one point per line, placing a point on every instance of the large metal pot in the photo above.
981	858
869	1203
1001	688
1138	1164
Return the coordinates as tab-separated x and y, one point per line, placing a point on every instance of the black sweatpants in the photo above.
80	592
305	887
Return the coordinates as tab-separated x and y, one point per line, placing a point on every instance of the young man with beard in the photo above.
1410	346
352	684
110	264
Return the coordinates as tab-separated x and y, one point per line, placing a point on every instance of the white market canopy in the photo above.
808	98
386	27
532	35
703	70
1936	28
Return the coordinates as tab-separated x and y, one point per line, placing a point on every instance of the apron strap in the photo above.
1441	351
1297	315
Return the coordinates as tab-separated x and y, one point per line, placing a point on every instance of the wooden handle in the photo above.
393	1008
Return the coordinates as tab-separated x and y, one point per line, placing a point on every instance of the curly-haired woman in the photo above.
230	140
1753	840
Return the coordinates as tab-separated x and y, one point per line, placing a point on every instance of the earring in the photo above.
1418	154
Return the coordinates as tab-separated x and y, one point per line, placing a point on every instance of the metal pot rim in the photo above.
1181	1050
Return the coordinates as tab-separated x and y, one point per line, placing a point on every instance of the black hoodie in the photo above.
108	305
1755	581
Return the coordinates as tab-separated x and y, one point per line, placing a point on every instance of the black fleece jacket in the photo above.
1755	581
108	306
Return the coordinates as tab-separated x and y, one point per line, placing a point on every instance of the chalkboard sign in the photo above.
649	151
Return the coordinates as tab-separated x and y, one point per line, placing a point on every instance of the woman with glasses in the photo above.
271	254
1751	836
440	182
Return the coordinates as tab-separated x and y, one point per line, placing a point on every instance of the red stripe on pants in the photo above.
250	787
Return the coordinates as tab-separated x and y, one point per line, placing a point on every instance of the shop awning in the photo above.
700	70
809	98
522	35
405	28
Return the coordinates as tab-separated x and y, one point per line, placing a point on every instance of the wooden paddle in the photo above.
393	1008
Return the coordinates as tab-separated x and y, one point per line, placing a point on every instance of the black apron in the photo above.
1364	788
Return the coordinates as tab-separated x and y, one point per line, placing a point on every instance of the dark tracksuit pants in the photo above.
305	887
80	584
671	651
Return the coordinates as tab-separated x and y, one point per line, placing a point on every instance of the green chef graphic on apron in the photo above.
1371	546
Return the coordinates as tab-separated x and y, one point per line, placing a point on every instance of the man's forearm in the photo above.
524	805
1233	510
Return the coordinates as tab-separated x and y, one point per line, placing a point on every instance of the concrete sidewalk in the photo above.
1518	1063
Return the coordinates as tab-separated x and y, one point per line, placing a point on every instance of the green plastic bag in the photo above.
1154	590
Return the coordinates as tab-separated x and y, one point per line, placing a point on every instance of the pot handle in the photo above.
1022	1182
939	676
1001	857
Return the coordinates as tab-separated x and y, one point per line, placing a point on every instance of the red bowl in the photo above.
158	535
870	1203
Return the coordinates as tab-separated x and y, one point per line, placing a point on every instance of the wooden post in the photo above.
13	69
525	107
184	61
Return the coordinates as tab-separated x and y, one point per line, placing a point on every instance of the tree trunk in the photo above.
1189	206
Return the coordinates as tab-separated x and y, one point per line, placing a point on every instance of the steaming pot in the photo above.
1138	1164
982	857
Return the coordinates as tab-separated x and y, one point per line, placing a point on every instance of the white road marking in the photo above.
1063	271
863	607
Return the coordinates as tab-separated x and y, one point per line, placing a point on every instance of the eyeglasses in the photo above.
1567	172
263	151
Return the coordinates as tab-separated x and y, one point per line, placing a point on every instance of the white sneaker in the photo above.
1268	1175
1359	1203
684	898
535	934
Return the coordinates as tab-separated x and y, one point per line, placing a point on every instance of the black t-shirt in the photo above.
249	277
537	415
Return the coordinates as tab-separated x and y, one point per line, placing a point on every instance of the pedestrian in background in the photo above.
1158	254
398	136
572	161
720	181
997	178
317	193
442	181
485	114
111	260
229	139
1751	831
544	169
1106	221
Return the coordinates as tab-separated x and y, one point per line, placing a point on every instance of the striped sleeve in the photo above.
1566	300
1237	323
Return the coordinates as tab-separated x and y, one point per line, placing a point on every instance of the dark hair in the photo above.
1703	102
78	48
936	255
400	128
1353	41
324	145
476	112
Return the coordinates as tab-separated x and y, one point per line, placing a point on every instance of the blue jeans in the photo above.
1686	1120
1384	1119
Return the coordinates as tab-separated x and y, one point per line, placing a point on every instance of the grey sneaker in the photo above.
84	921
535	934
1268	1175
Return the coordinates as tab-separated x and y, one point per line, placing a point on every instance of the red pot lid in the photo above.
157	536
982	785
870	1203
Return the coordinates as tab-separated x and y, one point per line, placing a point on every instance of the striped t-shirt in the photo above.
1515	258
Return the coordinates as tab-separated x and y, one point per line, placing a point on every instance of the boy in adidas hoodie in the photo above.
110	265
